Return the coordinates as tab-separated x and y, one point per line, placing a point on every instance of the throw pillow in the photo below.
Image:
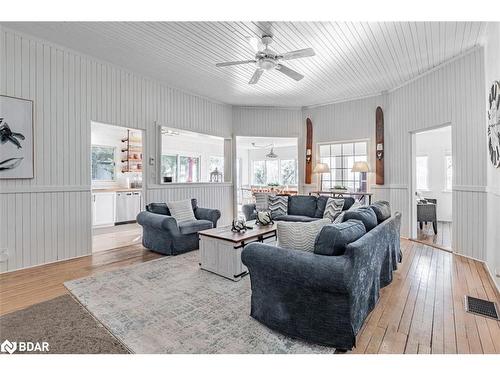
333	208
340	217
261	201
181	210
382	209
263	218
278	205
299	236
333	239
365	214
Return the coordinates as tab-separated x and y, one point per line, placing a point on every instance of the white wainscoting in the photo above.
48	217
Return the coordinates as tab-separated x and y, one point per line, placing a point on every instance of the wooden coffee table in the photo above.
220	249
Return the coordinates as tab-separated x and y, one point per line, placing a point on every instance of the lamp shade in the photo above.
321	168
360	166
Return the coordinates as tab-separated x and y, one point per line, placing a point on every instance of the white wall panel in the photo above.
48	217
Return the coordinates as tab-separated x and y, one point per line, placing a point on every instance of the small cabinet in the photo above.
103	209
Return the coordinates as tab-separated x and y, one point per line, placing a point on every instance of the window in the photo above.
276	172
103	163
340	157
449	172
189	169
259	172
169	166
215	162
422	173
288	170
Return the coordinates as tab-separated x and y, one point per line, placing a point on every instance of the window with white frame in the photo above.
276	171
422	169
449	172
340	157
181	168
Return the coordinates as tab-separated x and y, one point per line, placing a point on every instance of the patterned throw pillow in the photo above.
340	217
278	205
263	218
261	201
181	210
333	208
299	236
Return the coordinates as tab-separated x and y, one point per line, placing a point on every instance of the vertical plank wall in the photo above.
48	218
451	94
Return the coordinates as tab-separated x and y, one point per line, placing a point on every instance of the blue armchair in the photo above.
163	234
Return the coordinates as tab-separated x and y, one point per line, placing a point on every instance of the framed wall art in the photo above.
16	137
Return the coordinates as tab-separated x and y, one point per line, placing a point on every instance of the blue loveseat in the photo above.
302	208
325	296
163	234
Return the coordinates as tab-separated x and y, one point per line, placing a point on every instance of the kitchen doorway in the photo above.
432	186
116	168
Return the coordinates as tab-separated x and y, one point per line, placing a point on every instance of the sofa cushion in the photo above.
296	218
302	205
299	236
333	238
348	202
194	226
158	208
181	210
382	209
278	205
333	208
365	214
321	202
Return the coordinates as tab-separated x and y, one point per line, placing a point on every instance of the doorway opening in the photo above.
266	165
432	186
116	167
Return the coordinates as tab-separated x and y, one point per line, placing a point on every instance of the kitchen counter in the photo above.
116	190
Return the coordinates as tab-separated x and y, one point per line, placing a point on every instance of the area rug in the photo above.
170	305
64	324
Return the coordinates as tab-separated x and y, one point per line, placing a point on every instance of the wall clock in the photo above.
494	124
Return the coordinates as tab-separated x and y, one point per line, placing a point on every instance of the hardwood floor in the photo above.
116	236
422	311
20	289
443	237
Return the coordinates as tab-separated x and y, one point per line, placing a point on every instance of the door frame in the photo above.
413	174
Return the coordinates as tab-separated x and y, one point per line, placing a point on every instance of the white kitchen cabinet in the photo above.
103	209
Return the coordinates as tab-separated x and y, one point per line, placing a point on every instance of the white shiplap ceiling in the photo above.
353	59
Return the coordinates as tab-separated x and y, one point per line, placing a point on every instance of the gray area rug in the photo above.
64	324
170	305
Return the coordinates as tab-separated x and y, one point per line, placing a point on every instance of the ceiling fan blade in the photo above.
256	76
255	43
289	72
229	63
307	52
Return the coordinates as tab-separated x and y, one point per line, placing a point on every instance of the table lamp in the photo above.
321	168
363	168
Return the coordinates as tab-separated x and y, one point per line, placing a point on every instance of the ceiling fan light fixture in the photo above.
271	154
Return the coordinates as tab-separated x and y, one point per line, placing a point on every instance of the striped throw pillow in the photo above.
333	208
278	205
299	236
181	210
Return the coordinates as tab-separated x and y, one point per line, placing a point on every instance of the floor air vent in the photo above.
481	307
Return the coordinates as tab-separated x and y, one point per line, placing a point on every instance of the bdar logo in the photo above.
8	347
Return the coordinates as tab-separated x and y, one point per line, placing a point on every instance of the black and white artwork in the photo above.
16	137
494	123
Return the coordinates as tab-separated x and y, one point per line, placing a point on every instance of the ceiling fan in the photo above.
271	154
267	59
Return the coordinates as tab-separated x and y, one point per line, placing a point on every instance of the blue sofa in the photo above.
325	296
302	208
163	234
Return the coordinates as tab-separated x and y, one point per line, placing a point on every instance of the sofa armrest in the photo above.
210	214
249	210
295	267
158	221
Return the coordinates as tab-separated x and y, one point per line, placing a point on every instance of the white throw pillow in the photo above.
339	218
298	235
181	210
